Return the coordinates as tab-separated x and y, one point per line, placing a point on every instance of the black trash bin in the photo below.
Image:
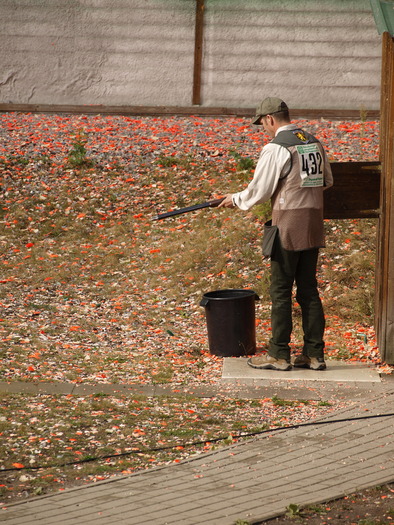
231	322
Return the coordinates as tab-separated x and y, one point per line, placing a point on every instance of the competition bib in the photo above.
311	165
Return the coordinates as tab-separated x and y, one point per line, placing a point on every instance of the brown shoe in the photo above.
314	363
268	362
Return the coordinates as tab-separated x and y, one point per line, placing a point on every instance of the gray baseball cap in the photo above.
269	106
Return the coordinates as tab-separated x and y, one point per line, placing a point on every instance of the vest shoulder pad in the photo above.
293	137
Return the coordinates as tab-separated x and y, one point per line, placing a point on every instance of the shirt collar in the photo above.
288	127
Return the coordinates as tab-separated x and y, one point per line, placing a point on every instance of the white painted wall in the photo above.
313	53
110	52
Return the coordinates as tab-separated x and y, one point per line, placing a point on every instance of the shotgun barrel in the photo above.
180	211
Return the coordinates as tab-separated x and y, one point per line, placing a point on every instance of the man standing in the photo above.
292	171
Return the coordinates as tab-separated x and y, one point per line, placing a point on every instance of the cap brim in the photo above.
256	120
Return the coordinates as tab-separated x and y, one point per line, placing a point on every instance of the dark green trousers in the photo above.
287	268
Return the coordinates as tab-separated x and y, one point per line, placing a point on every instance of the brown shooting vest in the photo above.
297	203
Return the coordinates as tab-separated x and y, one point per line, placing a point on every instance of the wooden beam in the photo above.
198	47
154	111
355	193
384	302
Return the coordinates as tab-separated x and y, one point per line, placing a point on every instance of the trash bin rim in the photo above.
229	294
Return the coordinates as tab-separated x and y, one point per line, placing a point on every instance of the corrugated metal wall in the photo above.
315	54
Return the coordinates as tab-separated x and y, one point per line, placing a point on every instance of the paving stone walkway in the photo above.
253	481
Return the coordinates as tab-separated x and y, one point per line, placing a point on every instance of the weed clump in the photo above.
77	157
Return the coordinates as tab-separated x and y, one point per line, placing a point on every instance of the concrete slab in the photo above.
237	369
21	387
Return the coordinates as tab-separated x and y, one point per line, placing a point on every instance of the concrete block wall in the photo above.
313	53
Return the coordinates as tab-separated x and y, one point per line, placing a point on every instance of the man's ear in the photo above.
270	119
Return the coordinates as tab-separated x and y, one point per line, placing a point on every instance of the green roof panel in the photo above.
383	12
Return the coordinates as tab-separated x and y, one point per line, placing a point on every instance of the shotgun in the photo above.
180	211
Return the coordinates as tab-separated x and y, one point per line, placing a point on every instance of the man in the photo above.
292	171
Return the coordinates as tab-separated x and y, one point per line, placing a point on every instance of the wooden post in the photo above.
384	309
198	41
